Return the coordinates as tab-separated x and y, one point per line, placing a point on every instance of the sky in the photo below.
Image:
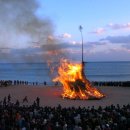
29	29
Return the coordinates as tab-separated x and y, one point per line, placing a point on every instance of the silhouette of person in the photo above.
38	101
45	83
25	99
9	98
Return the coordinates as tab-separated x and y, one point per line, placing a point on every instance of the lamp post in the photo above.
80	29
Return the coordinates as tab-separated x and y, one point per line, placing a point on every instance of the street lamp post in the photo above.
80	29
82	71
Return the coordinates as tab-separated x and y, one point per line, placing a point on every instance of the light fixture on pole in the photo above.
80	29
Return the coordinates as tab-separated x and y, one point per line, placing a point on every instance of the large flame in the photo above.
75	84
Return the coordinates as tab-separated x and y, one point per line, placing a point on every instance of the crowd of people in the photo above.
16	116
5	83
112	83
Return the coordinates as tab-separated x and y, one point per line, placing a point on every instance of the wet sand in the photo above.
50	96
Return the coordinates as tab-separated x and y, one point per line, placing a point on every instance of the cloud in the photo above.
127	46
119	26
65	35
108	52
117	39
113	26
92	51
74	43
99	31
36	44
5	50
99	51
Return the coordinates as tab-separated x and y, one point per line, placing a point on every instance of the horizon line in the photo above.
57	62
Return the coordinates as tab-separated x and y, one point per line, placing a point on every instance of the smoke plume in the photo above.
21	28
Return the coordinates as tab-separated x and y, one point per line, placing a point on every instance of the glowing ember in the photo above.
75	84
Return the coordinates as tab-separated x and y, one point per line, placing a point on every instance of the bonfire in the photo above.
75	84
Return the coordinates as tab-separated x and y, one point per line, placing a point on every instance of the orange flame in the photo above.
75	84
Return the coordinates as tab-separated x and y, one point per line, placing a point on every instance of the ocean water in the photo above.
40	72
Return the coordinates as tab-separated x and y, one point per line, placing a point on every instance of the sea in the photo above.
40	72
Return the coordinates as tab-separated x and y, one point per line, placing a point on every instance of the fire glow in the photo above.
75	84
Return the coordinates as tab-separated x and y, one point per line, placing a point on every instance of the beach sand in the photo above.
50	96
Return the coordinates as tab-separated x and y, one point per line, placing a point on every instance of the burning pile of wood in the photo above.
75	84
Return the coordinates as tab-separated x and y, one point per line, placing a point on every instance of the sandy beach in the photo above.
50	96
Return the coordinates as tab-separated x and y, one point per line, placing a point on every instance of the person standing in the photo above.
25	99
38	101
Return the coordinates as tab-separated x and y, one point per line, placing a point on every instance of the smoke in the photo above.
19	24
21	28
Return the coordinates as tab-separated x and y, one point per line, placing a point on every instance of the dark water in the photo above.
108	71
95	71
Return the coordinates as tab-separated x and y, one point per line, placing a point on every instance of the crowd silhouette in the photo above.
16	116
5	83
